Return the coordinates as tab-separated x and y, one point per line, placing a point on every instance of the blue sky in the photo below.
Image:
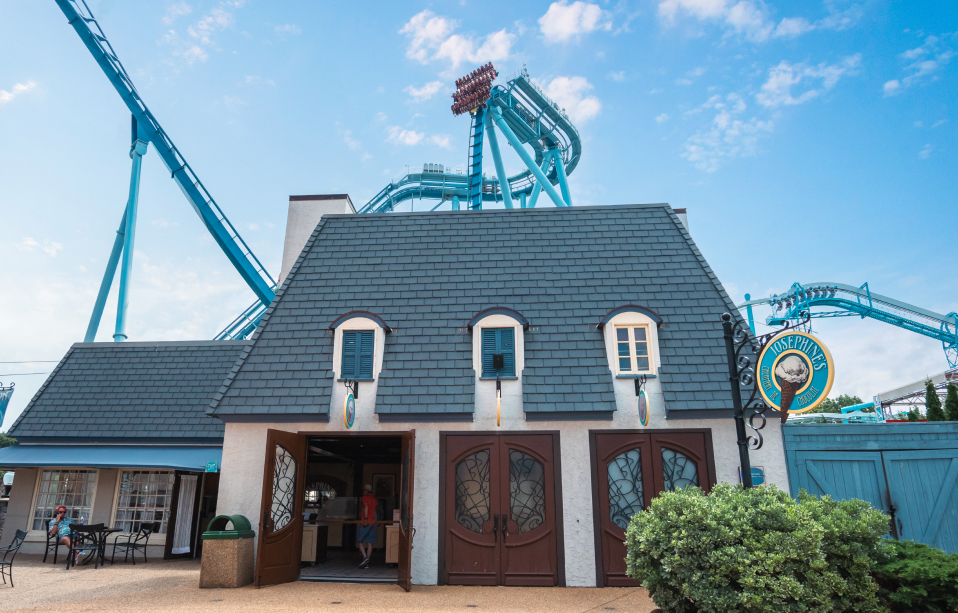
808	141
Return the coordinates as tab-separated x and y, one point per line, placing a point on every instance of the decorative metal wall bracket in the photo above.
639	384
352	387
739	342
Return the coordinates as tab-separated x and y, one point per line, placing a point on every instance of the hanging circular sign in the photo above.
643	408
349	411
795	372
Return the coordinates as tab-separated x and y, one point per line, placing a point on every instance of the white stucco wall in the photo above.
245	448
301	221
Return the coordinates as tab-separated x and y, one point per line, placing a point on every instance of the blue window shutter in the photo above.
490	339
349	354
365	369
498	340
507	347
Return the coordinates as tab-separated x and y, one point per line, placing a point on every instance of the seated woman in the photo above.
61	525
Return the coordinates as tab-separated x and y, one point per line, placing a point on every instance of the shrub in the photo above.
756	550
916	578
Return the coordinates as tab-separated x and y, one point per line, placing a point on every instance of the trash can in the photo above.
227	554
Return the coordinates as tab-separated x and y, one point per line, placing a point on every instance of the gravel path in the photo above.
172	586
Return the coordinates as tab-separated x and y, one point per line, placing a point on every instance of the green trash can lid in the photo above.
217	528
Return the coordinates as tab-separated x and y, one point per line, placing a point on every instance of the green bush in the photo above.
756	550
916	578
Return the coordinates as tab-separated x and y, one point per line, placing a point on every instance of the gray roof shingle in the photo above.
427	274
112	392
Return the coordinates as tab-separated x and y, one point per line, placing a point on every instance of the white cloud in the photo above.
431	38
441	140
256	80
18	89
176	10
49	247
353	143
162	223
201	34
618	77
253	227
380	116
570	93
925	62
727	136
683	81
925	153
777	90
563	21
399	136
427	91
940	122
751	19
662	118
287	28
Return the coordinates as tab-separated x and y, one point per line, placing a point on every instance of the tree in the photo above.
836	406
951	403
913	414
933	410
7	441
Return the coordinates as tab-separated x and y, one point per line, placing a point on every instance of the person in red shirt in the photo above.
366	534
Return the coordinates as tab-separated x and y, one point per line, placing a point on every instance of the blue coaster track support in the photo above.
847	300
474	182
149	131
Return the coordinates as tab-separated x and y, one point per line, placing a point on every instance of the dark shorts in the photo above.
366	534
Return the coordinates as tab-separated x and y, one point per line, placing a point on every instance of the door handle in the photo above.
495	528
505	527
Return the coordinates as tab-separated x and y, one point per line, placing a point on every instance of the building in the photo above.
497	362
119	434
426	316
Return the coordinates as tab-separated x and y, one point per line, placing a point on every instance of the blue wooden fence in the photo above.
910	471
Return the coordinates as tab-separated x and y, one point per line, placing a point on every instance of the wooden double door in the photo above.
629	468
500	510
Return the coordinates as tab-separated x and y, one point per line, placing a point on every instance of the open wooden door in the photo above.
406	491
281	514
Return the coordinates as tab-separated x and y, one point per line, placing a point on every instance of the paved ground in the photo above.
172	586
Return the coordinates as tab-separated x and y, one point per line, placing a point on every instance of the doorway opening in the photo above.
338	469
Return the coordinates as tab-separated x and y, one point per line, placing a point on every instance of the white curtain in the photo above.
184	515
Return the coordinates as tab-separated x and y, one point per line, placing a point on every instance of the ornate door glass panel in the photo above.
526	491
472	491
678	470
284	488
626	494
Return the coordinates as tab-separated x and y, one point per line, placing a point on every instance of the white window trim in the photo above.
379	344
36	491
119	481
631	318
497	321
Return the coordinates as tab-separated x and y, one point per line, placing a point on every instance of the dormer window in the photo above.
358	355
632	350
498	353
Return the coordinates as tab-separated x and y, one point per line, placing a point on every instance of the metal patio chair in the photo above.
135	542
84	538
53	543
6	566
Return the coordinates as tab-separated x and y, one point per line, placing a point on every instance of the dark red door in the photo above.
500	523
472	535
622	463
527	517
281	524
631	468
406	530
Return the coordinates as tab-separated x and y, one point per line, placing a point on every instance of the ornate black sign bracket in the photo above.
352	387
741	374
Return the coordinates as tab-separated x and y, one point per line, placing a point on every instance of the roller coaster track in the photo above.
829	299
534	119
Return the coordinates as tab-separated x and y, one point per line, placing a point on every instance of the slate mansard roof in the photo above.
427	274
131	392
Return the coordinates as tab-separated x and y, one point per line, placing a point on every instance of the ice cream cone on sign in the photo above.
792	373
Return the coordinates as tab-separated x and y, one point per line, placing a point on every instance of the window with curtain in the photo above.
145	497
632	349
70	488
358	354
498	342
